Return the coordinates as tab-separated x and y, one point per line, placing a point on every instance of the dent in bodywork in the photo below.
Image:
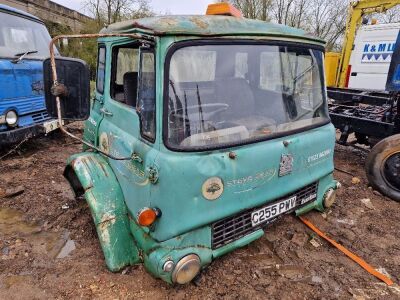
38	87
91	176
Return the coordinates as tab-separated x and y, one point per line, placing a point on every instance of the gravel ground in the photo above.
288	262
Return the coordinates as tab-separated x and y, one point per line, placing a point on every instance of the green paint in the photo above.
171	181
106	202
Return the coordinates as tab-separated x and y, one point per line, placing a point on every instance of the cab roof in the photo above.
207	26
9	9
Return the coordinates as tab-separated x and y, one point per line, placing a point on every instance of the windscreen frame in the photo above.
242	42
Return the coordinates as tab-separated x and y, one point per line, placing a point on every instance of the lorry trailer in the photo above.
364	99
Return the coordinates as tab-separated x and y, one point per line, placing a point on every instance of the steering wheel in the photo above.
213	108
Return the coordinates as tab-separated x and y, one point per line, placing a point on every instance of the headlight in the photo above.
186	269
329	198
11	118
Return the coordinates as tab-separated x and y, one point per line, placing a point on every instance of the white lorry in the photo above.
371	56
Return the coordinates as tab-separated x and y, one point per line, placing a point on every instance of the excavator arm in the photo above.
357	10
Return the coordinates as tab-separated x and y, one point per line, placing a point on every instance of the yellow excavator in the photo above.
337	66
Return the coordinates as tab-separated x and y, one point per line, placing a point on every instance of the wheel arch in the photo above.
90	175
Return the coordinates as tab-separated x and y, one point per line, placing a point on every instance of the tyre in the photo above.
383	167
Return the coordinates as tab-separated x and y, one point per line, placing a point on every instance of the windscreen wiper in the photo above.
302	74
178	105
201	117
187	121
22	55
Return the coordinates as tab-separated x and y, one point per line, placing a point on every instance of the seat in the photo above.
130	88
237	93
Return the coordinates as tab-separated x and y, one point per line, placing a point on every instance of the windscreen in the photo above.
233	94
20	35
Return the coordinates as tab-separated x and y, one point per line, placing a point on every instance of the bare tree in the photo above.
299	13
391	16
282	10
253	9
93	6
327	20
322	18
111	11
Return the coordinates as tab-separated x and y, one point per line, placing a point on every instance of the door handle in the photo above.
136	157
106	112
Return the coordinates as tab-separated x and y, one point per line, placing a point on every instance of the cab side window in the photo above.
101	69
146	105
124	75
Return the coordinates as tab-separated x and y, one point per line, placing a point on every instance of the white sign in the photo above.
378	52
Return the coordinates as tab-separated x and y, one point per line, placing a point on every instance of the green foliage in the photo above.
85	49
57	28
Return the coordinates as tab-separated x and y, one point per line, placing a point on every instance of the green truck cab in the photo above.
209	129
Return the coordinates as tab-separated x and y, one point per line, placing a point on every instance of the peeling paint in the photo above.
104	226
199	22
104	235
209	26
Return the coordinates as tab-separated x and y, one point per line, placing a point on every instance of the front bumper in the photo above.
14	136
199	241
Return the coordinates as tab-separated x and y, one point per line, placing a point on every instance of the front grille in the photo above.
40	117
237	226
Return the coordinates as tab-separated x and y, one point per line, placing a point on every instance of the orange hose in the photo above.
354	257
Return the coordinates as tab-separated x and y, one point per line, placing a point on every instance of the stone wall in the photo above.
50	12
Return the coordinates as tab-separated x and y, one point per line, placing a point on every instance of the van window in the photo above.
147	95
259	91
241	65
194	66
125	75
101	63
20	35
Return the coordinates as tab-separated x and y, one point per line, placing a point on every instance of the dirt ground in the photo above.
42	218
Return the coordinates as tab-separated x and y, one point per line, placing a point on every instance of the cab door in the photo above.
127	130
96	115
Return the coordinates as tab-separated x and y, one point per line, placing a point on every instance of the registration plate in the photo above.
50	126
270	212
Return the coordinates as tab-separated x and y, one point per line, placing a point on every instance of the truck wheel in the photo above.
383	167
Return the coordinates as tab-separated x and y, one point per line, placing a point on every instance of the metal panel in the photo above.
358	96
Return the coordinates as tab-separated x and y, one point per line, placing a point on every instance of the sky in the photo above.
175	7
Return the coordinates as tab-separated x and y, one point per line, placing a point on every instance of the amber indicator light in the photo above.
224	9
147	216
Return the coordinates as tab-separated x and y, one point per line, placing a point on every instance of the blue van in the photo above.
24	44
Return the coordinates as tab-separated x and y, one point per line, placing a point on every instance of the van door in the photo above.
128	128
371	57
